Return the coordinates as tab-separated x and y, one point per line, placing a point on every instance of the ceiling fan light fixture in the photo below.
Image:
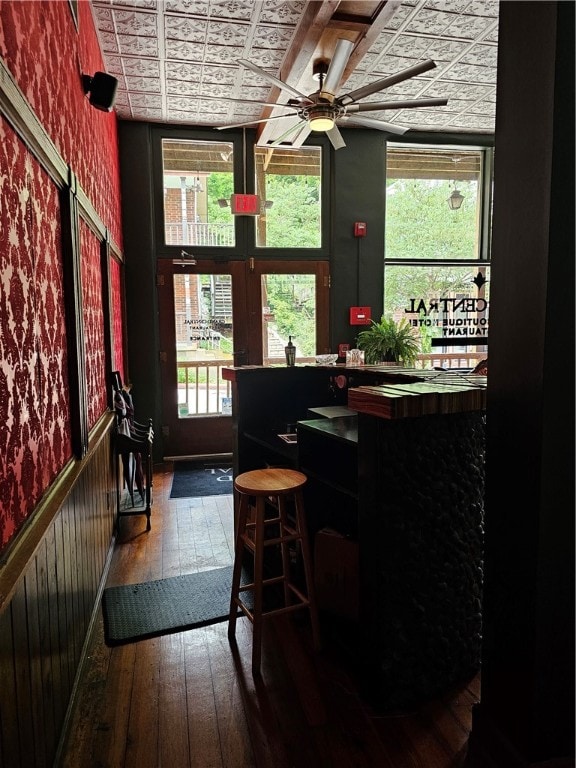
321	118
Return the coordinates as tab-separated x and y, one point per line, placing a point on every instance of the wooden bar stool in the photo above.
265	523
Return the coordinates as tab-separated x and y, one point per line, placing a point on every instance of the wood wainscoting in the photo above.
49	585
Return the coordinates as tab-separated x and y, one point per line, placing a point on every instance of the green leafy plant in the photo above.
389	341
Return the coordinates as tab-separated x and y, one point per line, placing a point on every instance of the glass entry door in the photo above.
215	315
199	306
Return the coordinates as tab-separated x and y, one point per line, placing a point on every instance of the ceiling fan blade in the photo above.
371	122
336	69
302	135
336	138
375	105
250	101
274	80
385	82
253	122
301	131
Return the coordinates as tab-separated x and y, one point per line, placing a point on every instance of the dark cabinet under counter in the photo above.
328	456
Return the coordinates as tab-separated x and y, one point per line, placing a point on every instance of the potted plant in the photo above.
389	341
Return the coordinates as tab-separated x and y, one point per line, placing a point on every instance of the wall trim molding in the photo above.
27	541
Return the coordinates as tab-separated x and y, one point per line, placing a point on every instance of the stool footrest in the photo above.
273	611
248	542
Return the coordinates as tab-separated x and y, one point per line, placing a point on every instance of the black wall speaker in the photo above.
102	90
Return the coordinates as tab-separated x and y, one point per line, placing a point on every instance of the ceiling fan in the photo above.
323	109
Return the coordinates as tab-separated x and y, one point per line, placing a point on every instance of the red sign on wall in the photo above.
245	205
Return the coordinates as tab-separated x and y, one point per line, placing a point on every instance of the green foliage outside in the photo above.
292	302
294	219
419	225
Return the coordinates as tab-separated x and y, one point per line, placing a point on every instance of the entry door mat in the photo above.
193	478
153	608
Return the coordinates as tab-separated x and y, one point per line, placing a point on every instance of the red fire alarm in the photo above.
245	205
359	229
360	315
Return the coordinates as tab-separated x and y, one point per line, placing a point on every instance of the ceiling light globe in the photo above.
321	123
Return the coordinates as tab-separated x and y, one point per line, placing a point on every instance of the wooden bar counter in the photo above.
400	477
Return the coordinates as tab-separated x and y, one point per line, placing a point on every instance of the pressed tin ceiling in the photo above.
177	60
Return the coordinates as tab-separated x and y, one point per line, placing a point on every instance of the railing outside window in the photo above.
201	389
210	234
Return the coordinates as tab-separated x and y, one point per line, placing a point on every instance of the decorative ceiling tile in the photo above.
410	46
221	54
151	5
431	22
232	9
282	12
484	55
368	62
191	52
381	43
109	42
114	65
483	8
132	23
219	75
470	74
193	7
443	88
138	46
185	28
468	27
148	84
182	88
400	17
147	100
142	67
272	37
446	50
198	59
104	19
179	70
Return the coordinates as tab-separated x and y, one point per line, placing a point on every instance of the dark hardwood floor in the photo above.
189	700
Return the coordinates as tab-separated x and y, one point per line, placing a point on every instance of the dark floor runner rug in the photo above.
192	478
137	611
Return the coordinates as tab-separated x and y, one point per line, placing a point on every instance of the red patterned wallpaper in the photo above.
46	55
93	318
34	417
117	324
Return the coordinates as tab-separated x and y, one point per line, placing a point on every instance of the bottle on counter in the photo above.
290	351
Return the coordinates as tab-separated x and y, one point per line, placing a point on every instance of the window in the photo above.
435	275
198	181
288	182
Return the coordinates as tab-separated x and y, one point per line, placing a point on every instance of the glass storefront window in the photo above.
435	275
288	182
433	203
198	181
448	307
